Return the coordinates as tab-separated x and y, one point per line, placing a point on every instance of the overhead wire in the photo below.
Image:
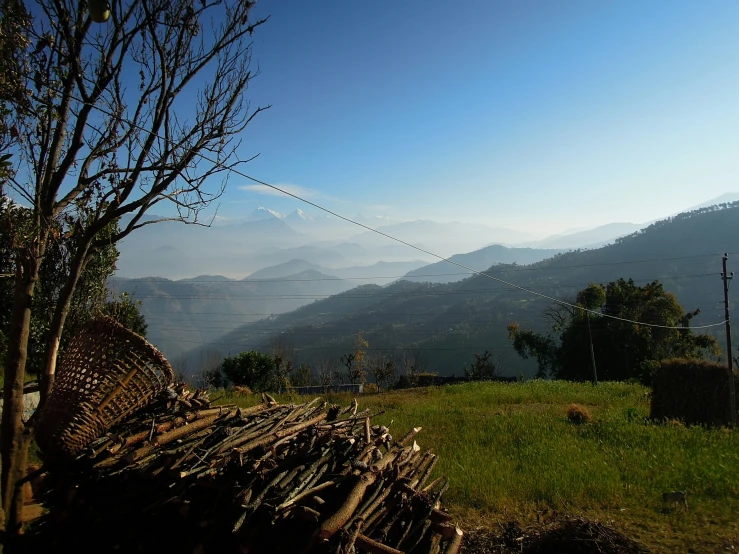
349	294
507	268
400	241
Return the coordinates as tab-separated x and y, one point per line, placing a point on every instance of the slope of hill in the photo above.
283	270
452	321
378	273
591	238
183	314
444	272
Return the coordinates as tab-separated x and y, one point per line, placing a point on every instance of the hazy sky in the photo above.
535	115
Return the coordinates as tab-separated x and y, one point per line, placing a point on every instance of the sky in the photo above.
534	115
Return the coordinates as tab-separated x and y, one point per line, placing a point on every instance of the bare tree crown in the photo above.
144	108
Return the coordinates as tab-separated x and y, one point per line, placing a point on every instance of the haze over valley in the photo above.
358	283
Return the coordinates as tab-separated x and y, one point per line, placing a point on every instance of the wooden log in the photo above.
264	441
409	435
307	514
342	515
173	435
353	537
374	547
437	516
315	490
446	530
455	543
433	483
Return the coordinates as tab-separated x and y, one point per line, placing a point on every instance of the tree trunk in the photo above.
13	442
57	322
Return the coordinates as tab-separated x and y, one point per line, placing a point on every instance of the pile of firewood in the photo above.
186	476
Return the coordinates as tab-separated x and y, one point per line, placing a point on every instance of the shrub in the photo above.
252	369
370	388
578	414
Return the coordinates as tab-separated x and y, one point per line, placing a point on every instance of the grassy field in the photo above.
511	453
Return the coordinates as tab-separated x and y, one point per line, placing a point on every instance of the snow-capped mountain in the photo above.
298	216
262	213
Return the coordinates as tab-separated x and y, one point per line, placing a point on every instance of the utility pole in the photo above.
592	352
732	391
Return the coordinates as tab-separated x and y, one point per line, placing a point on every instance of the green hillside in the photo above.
183	314
450	322
512	455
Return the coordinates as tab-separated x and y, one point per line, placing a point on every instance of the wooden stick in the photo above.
264	441
315	490
409	435
455	543
338	519
374	547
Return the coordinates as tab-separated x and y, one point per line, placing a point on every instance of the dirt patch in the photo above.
572	535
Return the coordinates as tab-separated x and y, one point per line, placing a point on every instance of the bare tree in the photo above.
383	370
325	367
483	367
283	353
179	367
91	148
208	373
352	368
413	362
561	314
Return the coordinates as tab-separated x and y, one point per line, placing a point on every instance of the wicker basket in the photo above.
107	372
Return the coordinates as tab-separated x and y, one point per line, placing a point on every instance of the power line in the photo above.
348	294
418	248
506	269
238	345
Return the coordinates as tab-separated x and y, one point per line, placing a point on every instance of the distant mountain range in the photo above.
451	321
379	273
480	260
178	251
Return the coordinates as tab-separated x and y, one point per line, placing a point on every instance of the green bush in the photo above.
252	369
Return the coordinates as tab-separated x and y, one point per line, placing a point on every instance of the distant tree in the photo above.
352	369
211	379
482	367
325	368
179	367
354	362
283	354
302	376
413	363
623	350
383	370
252	369
282	369
209	372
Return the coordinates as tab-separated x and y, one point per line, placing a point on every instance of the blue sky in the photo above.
535	115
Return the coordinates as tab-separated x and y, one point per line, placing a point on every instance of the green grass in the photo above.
510	452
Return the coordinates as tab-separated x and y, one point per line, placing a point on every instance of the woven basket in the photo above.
107	372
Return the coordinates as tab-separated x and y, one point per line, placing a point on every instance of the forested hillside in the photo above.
450	322
183	314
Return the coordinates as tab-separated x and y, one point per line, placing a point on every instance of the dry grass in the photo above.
578	414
